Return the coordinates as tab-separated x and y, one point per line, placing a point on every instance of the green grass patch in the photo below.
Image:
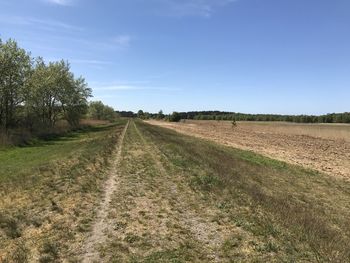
19	162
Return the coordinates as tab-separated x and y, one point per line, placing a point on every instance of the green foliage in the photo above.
140	114
10	226
98	111
54	92
20	254
160	115
49	252
144	115
15	68
175	117
206	182
36	94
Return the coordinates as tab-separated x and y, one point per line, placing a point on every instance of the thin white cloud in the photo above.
117	43
120	82
182	8
122	87
91	61
60	2
122	41
46	24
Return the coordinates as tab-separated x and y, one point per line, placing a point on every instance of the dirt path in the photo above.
155	214
101	224
327	155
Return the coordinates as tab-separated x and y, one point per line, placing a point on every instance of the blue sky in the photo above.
253	56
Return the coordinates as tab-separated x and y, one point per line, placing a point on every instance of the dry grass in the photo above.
181	199
155	215
91	122
297	214
178	199
48	191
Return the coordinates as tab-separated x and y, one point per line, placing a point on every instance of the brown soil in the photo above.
312	146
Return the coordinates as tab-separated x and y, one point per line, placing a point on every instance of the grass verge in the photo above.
295	214
48	190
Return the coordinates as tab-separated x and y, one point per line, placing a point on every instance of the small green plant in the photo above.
50	252
234	123
10	226
21	253
206	182
131	238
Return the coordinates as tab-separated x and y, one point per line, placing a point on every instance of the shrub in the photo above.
175	117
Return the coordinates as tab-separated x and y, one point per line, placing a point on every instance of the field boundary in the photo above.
325	155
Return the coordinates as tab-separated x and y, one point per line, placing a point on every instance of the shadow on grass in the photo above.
55	138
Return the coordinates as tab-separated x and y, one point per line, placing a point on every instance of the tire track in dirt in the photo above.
100	225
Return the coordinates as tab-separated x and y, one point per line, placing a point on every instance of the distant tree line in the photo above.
145	115
233	116
220	115
126	114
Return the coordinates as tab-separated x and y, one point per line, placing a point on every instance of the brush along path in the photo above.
100	227
156	216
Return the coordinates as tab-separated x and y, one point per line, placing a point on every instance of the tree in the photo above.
15	68
160	115
96	110
43	91
175	117
109	114
99	111
140	114
54	93
74	100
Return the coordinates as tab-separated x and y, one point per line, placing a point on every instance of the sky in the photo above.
251	56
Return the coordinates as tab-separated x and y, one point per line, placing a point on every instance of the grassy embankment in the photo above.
185	199
48	190
178	199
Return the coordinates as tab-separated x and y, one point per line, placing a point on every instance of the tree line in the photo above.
232	116
35	94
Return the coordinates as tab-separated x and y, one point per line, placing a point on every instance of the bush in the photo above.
99	111
175	117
